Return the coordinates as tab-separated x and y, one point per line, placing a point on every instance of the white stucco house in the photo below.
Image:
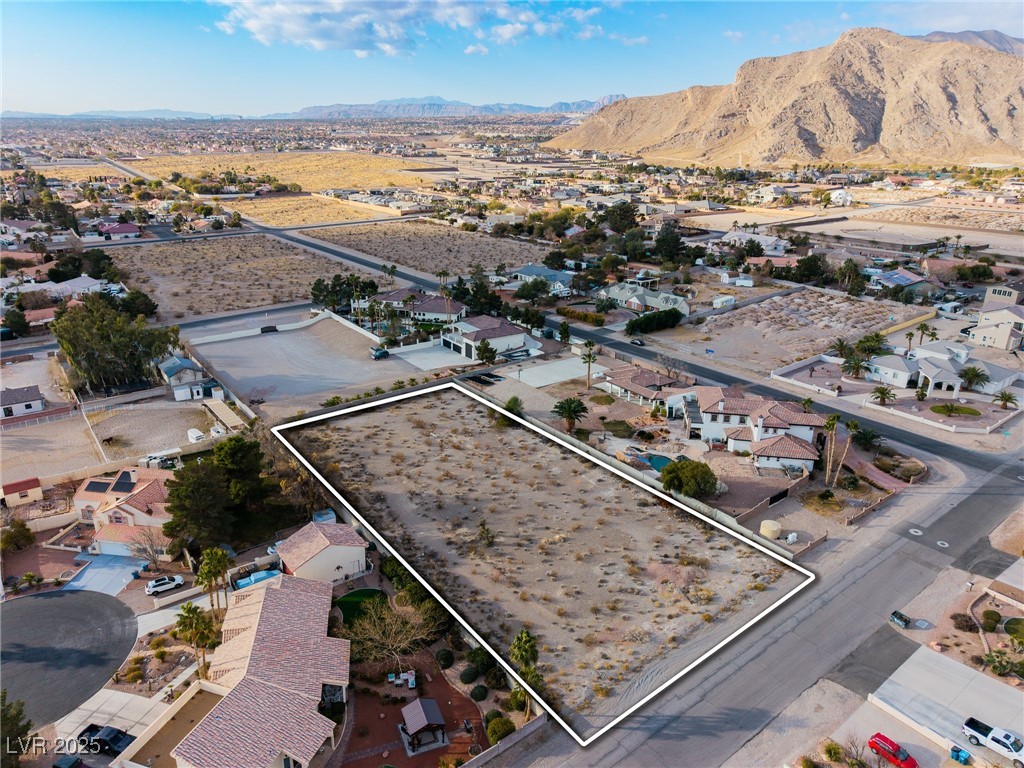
19	401
936	367
330	552
464	337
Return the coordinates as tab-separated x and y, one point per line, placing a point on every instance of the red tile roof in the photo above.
21	485
309	541
127	534
784	447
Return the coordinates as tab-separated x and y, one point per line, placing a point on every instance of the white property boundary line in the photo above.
583	742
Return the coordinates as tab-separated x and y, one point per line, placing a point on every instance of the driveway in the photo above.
557	372
428	359
59	648
105	573
127	711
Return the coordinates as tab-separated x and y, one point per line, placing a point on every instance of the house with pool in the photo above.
648	388
331	552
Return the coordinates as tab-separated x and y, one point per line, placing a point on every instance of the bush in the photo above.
395	573
445	658
654	321
479	693
806	762
991	616
849	483
133	675
886	451
157	642
517	700
989	626
832	751
469	674
496	678
481	659
578	314
964	622
499	729
826	495
491	715
884	464
910	471
160	654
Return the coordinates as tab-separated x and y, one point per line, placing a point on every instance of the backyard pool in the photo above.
659	462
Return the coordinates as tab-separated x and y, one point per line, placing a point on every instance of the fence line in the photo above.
940	425
508	742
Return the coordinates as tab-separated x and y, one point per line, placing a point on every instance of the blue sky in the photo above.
253	57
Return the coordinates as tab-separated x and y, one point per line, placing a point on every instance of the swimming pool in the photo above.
659	462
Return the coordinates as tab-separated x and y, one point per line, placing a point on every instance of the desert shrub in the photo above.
160	654
445	658
885	450
158	642
654	321
884	464
850	483
807	762
517	700
826	495
499	729
495	678
491	716
832	751
578	314
133	675
469	674
136	661
910	470
481	659
395	573
964	622
978	660
479	693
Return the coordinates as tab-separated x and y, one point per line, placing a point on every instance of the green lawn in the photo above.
1015	628
961	410
603	399
619	428
351	605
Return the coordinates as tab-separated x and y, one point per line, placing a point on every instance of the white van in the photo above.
196	436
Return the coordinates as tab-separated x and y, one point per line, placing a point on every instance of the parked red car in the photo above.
891	751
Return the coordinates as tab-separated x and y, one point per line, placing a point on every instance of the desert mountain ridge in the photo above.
873	96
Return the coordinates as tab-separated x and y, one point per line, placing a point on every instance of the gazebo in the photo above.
422	722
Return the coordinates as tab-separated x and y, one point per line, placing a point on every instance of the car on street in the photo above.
888	749
164	584
638	342
105	738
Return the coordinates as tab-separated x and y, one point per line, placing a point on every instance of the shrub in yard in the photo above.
517	700
133	675
978	660
481	659
469	674
850	483
832	751
445	658
885	450
826	495
989	626
964	622
884	464
806	762
160	654
479	693
910	470
991	616
499	729
492	714
137	661
157	642
495	678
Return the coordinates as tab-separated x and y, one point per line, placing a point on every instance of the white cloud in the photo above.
508	33
590	31
480	50
545	28
732	35
844	16
581	14
204	28
629	41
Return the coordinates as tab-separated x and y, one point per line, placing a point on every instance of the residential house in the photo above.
330	552
935	367
776	261
767	194
652	226
901	278
840	197
273	674
465	336
1000	328
559	282
636	384
642	299
1009	293
125	508
21	492
184	376
416	305
20	401
773	246
722	301
119	231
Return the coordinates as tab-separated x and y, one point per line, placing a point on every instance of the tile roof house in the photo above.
642	299
465	336
417	305
22	492
331	552
134	497
936	367
639	384
18	401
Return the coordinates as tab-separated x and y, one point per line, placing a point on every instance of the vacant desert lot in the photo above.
952	217
48	448
197	277
622	592
296	210
315	171
431	247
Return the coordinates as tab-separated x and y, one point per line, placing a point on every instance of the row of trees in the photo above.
340	291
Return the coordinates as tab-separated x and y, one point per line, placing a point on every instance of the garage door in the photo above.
114	548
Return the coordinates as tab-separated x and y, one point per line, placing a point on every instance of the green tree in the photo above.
15	728
514	405
620	217
16	536
1005	399
883	395
572	409
196	628
532	290
854	365
910	340
867	438
485	353
198	501
555	260
690	478
807	404
589	357
972	376
842	347
523	650
564	332
667	244
922	329
14	319
214	565
533	678
871	344
136	303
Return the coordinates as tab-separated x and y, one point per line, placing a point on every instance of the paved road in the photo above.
59	648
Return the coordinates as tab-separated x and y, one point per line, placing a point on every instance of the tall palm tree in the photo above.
589	357
807	404
831	427
871	344
851	427
922	328
206	579
572	409
910	340
842	347
933	335
1005	399
972	376
532	677
883	395
855	366
195	627
218	562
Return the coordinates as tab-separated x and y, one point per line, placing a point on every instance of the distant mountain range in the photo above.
872	96
988	38
424	106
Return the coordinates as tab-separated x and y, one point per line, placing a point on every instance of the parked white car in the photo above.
164	584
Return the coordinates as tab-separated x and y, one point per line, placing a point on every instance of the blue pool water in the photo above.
659	462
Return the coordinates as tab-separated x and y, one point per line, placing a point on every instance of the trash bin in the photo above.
135	574
959	754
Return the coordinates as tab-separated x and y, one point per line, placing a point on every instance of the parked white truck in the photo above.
999	740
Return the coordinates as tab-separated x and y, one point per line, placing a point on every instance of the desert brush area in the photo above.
199	277
298	210
952	217
315	171
622	590
430	247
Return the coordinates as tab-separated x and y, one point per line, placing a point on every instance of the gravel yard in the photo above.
622	592
148	427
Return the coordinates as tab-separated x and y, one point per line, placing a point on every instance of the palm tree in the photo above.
831	426
867	438
842	347
807	404
589	357
532	677
523	650
933	335
883	395
855	366
910	340
218	562
196	628
851	427
949	409
572	409
206	579
922	328
1005	399
871	344
972	376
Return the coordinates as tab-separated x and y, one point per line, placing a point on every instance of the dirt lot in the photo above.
432	247
952	217
51	448
148	427
315	171
621	592
708	285
295	210
42	371
199	277
778	330
77	172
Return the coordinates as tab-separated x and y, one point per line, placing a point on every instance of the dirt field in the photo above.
315	171
41	450
622	593
198	277
432	247
148	427
77	172
296	210
778	330
952	217
709	285
42	371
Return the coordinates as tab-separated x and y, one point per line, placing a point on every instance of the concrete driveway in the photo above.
59	648
428	359
557	372
105	573
127	711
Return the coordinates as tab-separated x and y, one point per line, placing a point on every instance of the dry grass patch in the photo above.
296	210
431	247
952	217
197	277
315	171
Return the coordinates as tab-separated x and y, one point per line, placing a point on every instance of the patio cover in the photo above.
422	715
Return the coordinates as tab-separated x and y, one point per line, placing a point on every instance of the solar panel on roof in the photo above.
123	483
97	486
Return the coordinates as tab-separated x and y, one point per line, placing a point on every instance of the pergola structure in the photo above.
422	723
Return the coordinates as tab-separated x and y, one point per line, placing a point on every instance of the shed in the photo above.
421	722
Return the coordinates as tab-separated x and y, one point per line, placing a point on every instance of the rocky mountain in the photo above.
988	38
435	106
872	97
